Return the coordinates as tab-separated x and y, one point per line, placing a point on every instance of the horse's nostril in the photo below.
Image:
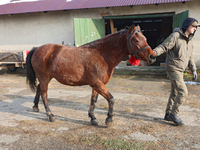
152	57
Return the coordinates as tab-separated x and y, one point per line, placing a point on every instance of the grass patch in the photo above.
50	133
7	130
128	110
3	91
147	128
118	143
132	90
124	83
12	97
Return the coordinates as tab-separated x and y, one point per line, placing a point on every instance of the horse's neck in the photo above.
117	48
113	48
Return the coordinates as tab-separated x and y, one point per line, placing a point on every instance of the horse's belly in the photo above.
69	75
70	80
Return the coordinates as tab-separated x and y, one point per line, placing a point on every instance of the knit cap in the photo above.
187	22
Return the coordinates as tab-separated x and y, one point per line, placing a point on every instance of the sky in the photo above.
2	2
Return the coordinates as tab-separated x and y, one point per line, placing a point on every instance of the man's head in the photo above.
190	25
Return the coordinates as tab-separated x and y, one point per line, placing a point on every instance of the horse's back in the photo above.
70	65
65	64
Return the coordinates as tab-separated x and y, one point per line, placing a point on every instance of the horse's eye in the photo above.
136	40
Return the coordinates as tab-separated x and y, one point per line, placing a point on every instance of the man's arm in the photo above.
192	67
167	45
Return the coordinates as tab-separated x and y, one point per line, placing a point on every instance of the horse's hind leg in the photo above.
92	106
43	89
36	100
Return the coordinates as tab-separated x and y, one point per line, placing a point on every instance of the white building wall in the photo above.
24	31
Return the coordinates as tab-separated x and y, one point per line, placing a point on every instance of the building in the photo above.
28	23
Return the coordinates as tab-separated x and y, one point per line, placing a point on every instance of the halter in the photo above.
129	42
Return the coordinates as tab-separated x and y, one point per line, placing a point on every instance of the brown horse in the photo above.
90	64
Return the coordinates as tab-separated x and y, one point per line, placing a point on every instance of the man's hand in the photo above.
155	53
194	75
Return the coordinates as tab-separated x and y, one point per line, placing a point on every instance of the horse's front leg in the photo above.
110	111
36	100
101	89
92	106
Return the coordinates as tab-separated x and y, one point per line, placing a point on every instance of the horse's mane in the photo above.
121	32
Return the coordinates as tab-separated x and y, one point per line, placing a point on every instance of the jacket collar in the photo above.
183	34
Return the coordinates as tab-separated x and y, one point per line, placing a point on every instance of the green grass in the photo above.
113	144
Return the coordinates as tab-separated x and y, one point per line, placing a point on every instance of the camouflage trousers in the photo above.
178	92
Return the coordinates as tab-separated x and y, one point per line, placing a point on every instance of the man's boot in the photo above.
175	119
167	117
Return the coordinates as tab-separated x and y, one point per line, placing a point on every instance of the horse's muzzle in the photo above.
152	59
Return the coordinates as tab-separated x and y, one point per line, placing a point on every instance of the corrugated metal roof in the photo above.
26	6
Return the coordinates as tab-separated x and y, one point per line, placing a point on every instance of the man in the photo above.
179	49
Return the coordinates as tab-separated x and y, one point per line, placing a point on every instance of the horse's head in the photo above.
138	46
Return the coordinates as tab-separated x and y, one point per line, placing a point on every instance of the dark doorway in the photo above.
156	30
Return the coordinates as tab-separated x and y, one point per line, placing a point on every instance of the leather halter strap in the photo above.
128	36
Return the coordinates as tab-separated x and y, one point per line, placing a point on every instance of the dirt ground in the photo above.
139	108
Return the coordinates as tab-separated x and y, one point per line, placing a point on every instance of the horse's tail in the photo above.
30	76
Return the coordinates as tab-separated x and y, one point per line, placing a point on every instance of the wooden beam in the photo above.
112	26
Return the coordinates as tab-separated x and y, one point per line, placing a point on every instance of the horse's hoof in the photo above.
52	118
109	122
36	109
94	122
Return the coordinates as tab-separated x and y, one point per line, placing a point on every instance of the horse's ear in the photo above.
132	29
